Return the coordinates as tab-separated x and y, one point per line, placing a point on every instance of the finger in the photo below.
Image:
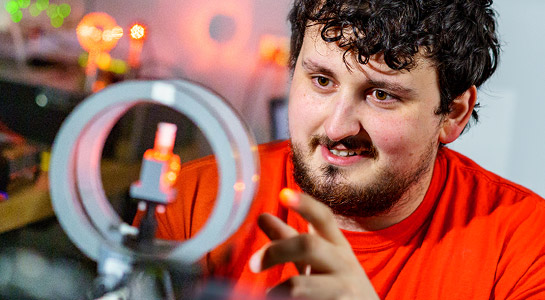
308	287
256	262
275	228
308	268
316	213
303	249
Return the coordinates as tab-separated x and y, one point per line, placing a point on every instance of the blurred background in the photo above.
51	59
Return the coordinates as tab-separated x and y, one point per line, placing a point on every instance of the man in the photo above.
378	89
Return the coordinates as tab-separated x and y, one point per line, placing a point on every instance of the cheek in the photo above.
294	107
303	114
395	135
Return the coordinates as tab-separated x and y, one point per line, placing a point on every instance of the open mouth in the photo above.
346	153
340	152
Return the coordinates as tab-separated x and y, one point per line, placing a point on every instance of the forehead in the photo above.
314	45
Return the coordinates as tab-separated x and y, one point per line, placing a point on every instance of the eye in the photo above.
382	98
322	81
381	95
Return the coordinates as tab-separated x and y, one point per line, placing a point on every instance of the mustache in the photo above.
350	142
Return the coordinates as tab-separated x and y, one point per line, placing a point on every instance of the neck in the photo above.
408	203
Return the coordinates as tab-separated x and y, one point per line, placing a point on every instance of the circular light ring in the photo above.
76	187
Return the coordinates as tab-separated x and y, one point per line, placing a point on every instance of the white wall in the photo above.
509	140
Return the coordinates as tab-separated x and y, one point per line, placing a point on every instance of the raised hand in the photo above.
335	271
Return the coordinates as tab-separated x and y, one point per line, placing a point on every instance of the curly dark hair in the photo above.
458	36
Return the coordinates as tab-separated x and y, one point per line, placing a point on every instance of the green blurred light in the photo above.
12	7
42	4
82	59
52	11
34	11
17	16
57	21
64	10
23	3
118	66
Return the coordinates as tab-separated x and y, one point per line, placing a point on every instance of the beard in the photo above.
376	198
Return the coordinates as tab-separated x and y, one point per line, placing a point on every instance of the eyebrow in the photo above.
312	66
392	86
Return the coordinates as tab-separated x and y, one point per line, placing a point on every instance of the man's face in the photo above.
362	137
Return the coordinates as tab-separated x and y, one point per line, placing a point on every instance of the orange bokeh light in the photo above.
98	31
175	166
138	31
171	177
274	49
104	60
239	186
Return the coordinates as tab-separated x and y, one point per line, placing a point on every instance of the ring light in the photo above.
75	182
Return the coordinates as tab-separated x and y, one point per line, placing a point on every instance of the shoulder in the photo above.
507	220
468	176
500	220
470	192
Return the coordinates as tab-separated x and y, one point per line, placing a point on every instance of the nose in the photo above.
343	120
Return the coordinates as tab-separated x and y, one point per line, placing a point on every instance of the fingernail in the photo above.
255	262
289	197
311	229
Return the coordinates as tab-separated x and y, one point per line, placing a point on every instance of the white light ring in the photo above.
89	153
247	150
88	234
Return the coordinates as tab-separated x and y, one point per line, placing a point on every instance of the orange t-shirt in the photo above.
474	236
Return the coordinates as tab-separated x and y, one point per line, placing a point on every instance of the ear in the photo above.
455	122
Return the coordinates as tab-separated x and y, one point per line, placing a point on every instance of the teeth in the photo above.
344	153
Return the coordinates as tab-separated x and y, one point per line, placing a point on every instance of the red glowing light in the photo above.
138	31
138	34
